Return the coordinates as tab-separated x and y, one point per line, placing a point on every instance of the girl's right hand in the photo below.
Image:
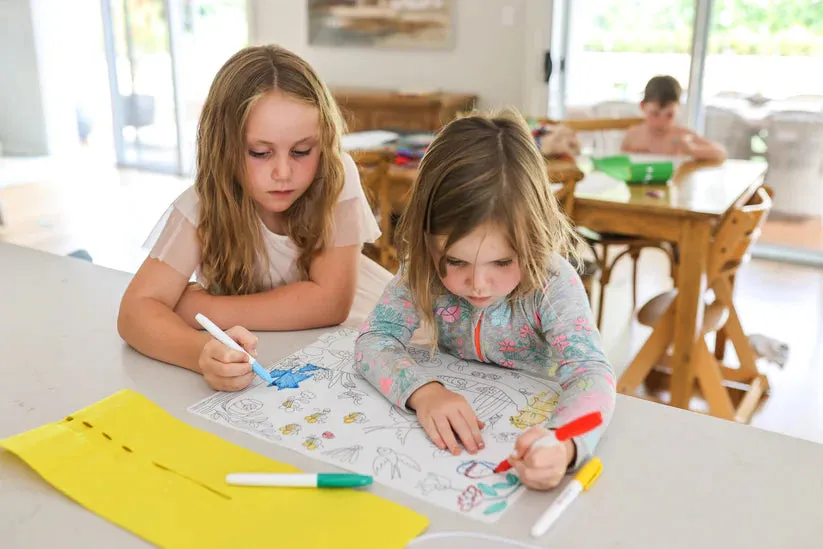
442	413
225	369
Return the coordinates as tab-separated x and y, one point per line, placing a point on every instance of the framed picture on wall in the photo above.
391	24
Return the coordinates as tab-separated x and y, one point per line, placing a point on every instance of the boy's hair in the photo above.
663	90
481	169
233	254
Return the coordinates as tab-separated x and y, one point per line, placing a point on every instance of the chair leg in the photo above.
722	334
710	378
635	255
605	274
734	330
747	407
720	344
649	354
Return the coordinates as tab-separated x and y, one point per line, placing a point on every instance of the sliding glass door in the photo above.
613	47
763	98
750	74
162	55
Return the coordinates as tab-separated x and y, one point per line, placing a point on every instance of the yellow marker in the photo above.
583	480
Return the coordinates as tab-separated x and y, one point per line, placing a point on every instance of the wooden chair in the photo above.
602	243
731	242
373	166
569	177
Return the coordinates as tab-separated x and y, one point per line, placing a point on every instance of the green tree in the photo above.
746	27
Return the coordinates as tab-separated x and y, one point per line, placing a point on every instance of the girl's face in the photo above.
282	151
482	267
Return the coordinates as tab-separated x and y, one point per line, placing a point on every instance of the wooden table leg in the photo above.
691	283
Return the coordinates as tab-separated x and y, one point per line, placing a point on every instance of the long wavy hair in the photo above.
481	168
229	230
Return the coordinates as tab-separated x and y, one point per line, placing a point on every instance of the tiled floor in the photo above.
110	212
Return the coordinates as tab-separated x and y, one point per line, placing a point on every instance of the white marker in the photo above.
582	481
320	480
226	340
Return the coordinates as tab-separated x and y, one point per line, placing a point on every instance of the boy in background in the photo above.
659	134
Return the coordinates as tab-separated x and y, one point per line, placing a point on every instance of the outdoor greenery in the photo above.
743	27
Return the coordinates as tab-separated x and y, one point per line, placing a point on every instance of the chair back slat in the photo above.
737	232
373	166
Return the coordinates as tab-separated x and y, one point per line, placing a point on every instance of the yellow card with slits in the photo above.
130	462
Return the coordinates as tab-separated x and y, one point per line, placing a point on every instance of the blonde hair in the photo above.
229	230
481	169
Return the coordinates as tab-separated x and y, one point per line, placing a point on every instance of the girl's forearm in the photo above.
158	332
297	306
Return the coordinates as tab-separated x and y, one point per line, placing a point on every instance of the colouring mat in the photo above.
321	408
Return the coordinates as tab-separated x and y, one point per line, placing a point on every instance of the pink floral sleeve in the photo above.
381	354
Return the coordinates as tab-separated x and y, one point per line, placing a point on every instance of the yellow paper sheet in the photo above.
130	462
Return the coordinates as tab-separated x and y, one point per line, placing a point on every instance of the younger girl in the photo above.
272	229
481	245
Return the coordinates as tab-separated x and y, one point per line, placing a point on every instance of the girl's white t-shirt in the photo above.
174	239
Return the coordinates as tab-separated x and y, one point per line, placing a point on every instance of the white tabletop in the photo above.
671	478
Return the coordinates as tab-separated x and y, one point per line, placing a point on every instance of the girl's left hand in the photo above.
194	300
544	467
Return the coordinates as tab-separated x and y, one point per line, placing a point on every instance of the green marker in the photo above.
305	480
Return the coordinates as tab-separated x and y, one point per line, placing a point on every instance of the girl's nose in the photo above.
281	169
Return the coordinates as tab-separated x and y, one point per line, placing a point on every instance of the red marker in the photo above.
579	426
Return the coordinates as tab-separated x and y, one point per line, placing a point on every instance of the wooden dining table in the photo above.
684	212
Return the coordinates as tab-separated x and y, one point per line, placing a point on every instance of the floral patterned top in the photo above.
550	334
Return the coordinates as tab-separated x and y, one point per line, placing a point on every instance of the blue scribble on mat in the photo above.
291	378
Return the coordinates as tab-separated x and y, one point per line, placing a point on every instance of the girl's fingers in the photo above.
230	369
219	352
431	430
524	441
245	338
445	430
464	432
474	425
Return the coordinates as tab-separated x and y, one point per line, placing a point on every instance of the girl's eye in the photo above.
255	154
455	262
301	153
503	262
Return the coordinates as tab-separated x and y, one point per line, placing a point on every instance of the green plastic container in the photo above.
621	168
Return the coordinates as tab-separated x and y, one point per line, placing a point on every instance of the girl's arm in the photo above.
585	375
323	300
147	320
380	350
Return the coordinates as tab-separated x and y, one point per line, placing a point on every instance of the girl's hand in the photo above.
543	467
225	369
442	413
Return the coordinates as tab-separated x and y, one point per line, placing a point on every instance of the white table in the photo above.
672	478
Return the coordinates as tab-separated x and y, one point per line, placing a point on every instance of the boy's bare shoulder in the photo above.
634	137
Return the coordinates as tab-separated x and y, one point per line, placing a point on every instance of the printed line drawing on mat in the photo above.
336	416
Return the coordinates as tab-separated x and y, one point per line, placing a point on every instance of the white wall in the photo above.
37	112
494	53
22	121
